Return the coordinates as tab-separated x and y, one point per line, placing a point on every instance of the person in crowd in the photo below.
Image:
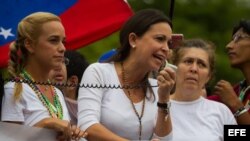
237	97
39	47
126	109
70	73
195	118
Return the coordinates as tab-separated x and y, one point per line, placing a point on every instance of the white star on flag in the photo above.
5	32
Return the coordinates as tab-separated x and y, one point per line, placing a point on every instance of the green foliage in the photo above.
208	19
212	20
93	51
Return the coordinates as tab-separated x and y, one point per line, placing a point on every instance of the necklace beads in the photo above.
133	106
54	111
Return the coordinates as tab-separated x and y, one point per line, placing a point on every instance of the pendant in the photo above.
166	117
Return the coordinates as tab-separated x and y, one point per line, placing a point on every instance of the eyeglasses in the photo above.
66	61
237	38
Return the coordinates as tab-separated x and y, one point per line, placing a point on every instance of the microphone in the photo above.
170	66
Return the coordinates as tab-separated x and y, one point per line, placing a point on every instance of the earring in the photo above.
133	46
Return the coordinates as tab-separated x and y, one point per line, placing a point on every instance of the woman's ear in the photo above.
28	46
73	80
132	40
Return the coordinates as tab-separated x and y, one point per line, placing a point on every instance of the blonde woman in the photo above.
39	47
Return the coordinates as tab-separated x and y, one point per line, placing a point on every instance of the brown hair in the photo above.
196	43
139	24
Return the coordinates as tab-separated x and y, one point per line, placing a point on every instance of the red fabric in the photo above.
4	50
90	20
237	91
214	98
87	21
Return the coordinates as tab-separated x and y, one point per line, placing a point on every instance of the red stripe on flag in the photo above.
90	20
87	21
4	50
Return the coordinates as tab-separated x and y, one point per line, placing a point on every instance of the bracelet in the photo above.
240	111
164	106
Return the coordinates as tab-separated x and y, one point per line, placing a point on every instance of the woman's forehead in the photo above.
194	52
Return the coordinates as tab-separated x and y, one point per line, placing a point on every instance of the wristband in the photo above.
164	106
240	111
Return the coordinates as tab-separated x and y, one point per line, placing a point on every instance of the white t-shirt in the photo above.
199	120
28	109
72	108
111	107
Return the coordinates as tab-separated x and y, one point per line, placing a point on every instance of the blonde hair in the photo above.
29	28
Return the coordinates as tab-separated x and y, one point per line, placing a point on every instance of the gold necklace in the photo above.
133	106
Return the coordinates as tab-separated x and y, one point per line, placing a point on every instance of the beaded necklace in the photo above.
243	93
54	111
130	99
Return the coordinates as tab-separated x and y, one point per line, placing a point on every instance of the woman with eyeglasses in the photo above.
237	97
70	72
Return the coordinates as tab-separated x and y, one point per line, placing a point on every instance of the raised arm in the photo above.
166	81
228	96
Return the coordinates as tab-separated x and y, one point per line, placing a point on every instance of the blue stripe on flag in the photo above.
12	11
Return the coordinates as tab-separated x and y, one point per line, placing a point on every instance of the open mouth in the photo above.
160	58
